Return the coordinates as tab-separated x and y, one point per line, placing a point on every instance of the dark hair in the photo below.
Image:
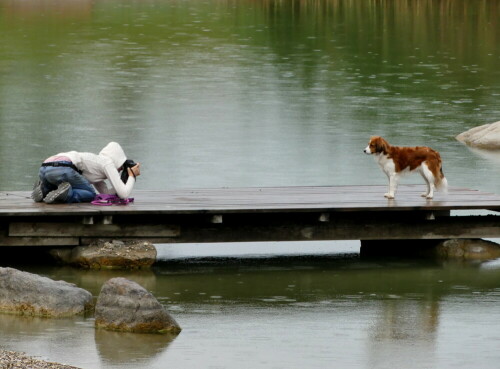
126	165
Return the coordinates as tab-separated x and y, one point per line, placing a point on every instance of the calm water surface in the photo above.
261	93
289	314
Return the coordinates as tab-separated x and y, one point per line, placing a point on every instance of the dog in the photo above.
396	161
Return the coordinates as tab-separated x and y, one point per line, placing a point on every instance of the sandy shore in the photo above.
15	360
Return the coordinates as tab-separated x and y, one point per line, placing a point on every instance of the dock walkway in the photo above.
252	214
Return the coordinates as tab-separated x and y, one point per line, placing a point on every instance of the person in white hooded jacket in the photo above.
73	176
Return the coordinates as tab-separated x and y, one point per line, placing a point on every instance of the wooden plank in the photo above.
91	230
259	200
39	241
154	240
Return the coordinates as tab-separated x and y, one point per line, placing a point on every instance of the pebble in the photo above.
18	360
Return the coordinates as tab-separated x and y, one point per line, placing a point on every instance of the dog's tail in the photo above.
440	181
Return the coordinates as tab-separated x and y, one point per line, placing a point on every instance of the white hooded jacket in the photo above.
98	168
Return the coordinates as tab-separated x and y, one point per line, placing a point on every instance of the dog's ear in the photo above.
381	145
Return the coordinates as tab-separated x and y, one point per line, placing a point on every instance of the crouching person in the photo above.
73	176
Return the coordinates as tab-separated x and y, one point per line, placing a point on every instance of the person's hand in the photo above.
135	171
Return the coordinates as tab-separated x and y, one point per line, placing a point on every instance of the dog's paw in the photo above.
429	197
389	195
424	194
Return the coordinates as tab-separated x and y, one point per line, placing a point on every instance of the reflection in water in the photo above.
492	264
11	324
123	348
93	280
491	155
61	339
330	278
38	10
409	321
400	328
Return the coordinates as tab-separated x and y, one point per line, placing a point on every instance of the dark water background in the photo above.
261	93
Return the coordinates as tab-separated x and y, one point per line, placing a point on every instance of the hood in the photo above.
114	151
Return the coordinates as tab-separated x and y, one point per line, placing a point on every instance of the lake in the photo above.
223	93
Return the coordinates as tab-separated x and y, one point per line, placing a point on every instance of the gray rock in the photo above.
30	294
468	249
124	305
109	255
486	136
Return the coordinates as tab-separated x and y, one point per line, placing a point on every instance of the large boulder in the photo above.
124	305
109	255
482	137
467	249
30	294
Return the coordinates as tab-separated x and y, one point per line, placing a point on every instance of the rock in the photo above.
111	255
126	306
30	294
468	249
483	137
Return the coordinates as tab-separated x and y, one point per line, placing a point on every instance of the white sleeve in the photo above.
101	187
121	189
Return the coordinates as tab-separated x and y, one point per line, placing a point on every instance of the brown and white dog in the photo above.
396	161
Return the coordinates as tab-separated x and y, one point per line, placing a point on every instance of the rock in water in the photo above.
124	305
483	137
30	294
468	249
108	255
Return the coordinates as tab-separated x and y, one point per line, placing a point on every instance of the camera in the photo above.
126	165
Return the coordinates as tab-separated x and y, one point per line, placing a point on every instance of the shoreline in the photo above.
20	360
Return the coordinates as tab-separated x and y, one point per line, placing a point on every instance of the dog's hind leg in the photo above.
429	180
428	184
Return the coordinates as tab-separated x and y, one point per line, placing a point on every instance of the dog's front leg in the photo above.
393	185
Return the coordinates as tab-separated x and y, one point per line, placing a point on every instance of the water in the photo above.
296	313
261	93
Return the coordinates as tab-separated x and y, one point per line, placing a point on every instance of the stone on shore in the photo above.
467	249
30	294
482	137
17	360
109	255
124	305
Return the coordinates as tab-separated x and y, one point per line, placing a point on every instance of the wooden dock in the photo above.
252	214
